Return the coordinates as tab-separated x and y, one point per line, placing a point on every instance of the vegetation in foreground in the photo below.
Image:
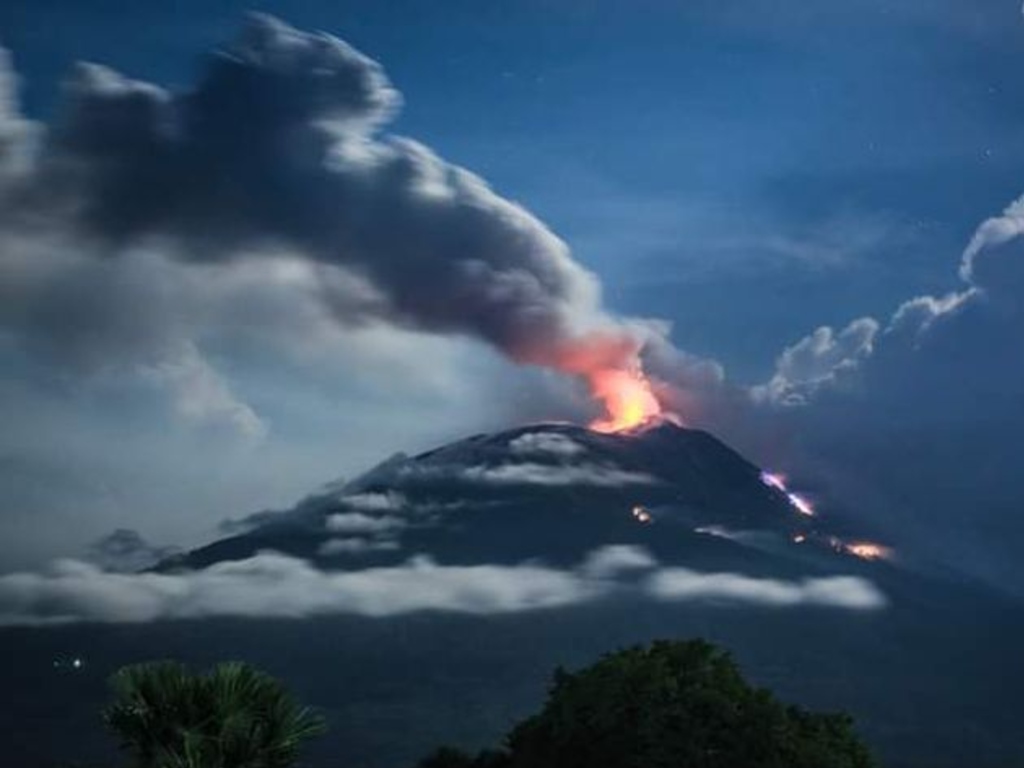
230	717
668	705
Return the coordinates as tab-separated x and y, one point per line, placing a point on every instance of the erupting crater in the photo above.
628	399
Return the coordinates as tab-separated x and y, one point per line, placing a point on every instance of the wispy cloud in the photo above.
530	473
358	522
545	444
356	545
682	584
272	585
375	502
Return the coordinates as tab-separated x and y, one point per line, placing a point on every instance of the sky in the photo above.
795	217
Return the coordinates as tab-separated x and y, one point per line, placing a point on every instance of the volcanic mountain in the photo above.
551	492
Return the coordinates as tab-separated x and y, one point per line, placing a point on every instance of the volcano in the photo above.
665	531
551	492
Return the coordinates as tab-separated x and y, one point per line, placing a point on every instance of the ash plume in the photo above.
281	147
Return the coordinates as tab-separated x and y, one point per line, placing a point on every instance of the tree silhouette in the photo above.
231	717
669	705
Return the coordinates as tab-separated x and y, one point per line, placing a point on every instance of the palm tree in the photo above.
231	717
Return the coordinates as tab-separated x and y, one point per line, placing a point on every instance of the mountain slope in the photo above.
552	492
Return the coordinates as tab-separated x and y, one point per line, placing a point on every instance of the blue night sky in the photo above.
747	171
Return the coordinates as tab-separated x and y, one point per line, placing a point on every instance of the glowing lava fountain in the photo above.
627	398
800	503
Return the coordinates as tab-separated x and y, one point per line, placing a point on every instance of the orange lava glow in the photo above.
774	480
867	551
627	399
801	504
641	515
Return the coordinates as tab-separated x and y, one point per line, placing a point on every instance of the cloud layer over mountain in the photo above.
274	585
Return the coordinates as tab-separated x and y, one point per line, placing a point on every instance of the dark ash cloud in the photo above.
145	232
279	147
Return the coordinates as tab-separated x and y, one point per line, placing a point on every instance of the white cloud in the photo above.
277	586
545	444
375	502
617	559
16	133
356	545
359	522
528	473
834	591
201	396
823	359
994	259
273	585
